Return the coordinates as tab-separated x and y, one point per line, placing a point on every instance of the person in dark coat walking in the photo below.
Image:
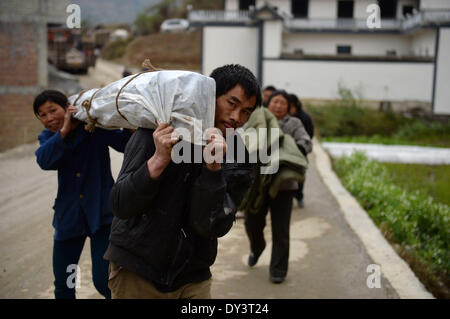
297	111
168	216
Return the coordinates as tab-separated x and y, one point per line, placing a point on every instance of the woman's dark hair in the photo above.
293	99
284	94
49	95
228	76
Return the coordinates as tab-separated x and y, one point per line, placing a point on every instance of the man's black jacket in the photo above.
166	230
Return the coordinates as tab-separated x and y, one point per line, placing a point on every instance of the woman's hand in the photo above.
69	122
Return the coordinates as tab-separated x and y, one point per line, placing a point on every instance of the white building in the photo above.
309	47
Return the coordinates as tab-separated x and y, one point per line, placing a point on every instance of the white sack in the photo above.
182	98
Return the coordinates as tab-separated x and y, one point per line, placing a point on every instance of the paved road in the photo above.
27	194
327	260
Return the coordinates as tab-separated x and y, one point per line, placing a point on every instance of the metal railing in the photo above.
218	16
426	17
418	19
435	16
338	24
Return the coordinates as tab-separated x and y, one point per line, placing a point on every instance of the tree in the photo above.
150	20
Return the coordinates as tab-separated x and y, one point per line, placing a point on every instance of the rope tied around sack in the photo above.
90	126
150	68
78	97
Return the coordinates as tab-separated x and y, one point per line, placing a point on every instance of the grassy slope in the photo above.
180	51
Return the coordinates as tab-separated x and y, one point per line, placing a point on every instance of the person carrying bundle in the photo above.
84	182
169	215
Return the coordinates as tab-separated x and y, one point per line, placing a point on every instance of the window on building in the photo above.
407	10
391	53
388	9
245	4
299	8
344	49
345	9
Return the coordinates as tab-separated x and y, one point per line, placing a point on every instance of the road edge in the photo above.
393	267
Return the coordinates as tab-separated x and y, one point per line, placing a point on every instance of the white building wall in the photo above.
360	7
442	92
373	80
231	5
423	42
272	38
322	9
362	44
434	4
224	45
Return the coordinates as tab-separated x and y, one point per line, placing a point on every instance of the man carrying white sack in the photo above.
168	216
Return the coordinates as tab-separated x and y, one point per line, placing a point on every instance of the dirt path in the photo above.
327	260
27	194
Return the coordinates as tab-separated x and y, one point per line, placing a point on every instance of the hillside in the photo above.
180	51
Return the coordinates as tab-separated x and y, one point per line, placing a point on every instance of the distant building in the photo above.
309	47
23	64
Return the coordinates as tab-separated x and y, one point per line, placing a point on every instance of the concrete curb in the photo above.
393	268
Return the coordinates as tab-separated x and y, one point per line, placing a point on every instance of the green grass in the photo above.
415	223
115	49
432	180
349	120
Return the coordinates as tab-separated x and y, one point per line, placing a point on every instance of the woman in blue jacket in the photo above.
84	182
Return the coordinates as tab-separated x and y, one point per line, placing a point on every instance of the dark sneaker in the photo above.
252	259
276	279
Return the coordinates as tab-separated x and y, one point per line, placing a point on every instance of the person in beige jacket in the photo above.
281	205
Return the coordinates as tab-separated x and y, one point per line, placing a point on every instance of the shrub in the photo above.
115	49
416	222
340	119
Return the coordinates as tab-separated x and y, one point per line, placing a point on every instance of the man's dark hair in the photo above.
228	76
49	95
126	73
270	88
280	92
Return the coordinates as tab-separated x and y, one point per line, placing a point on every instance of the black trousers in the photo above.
299	192
280	214
68	252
